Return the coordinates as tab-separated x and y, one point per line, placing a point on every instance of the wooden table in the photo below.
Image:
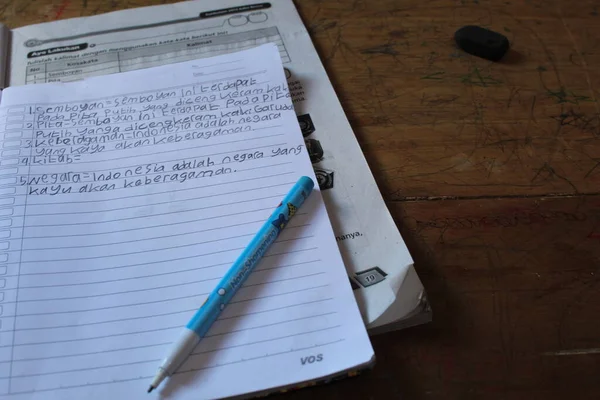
492	171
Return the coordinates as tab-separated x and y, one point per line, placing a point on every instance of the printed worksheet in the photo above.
378	263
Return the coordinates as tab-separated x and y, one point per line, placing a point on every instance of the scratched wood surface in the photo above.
492	173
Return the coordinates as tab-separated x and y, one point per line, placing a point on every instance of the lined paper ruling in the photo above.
125	198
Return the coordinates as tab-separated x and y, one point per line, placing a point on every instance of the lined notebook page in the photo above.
125	198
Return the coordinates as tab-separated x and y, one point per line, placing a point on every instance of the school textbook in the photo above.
127	198
386	286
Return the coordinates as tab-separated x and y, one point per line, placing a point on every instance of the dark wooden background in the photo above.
492	172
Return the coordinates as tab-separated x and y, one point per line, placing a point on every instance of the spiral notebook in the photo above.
125	198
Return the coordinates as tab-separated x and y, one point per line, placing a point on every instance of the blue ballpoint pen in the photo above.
233	280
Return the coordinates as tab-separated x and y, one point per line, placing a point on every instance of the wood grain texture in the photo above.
492	172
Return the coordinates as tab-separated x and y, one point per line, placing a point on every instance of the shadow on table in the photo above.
513	57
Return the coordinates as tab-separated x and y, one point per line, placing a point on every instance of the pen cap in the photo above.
306	183
300	191
292	201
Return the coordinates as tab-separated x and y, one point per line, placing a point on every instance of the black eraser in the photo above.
482	42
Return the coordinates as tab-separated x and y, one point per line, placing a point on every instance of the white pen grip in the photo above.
180	351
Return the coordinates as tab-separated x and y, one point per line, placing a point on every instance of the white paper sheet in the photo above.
131	195
387	288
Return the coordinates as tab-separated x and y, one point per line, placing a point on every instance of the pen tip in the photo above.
151	388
